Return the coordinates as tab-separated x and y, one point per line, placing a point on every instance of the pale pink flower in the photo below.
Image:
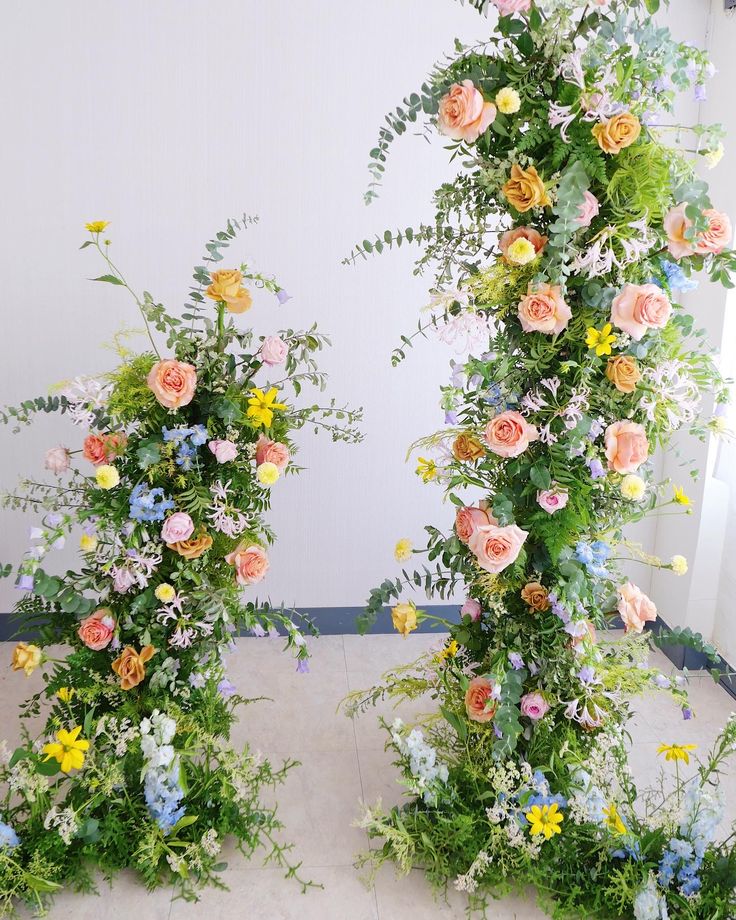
588	209
177	527
551	500
274	350
57	460
635	607
639	307
534	706
471	608
496	547
224	451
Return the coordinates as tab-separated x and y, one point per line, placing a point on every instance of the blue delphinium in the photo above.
8	837
676	277
149	504
187	441
163	797
594	557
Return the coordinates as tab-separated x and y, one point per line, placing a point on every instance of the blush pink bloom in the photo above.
268	451
588	209
463	113
496	547
507	7
172	382
480	703
177	527
250	563
509	434
468	519
274	350
635	608
224	451
123	580
718	235
543	309
626	446
640	307
713	240
97	630
534	706
57	460
471	608
551	500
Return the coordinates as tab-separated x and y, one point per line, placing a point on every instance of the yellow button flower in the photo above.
633	487
261	406
508	101
65	694
679	565
107	476
613	820
676	752
427	469
545	820
600	339
521	251
679	497
87	543
267	473
402	550
165	592
97	226
67	750
404	618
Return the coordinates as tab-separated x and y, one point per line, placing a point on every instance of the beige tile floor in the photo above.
343	762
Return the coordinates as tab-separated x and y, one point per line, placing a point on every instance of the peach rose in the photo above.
714	239
268	451
193	547
639	307
104	448
535	596
173	383
226	287
468	519
588	209
57	460
528	233
97	630
131	665
675	224
626	446
467	447
496	547
479	703
623	372
617	132
543	309
93	449
509	434
525	189
251	563
177	526
718	235
635	608
463	113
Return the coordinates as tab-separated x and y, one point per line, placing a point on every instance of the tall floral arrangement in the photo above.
559	250
165	483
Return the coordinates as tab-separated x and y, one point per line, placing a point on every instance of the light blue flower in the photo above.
8	837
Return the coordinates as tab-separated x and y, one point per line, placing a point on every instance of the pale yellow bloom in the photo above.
402	550
404	618
508	101
26	657
713	157
165	593
679	565
633	487
521	251
107	476
87	543
267	473
427	469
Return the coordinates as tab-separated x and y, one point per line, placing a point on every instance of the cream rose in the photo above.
639	307
626	446
57	460
173	383
509	434
543	309
496	547
463	113
635	608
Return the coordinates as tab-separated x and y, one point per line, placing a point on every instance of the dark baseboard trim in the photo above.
338	621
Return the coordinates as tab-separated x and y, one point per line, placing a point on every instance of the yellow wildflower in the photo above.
65	694
679	565
427	469
676	752
449	651
97	226
521	251
600	339
508	101
261	406
679	496
165	592
87	543
267	473
613	820
107	476
402	550
545	820
67	750
404	618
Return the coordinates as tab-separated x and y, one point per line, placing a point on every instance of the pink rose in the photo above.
496	547
551	500
224	451
626	446
534	706
635	608
268	451
543	309
640	307
177	527
471	608
509	434
467	521
507	7
96	630
588	209
251	564
463	114
274	350
480	701
173	383
57	460
717	236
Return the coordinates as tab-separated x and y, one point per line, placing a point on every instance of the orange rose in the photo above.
467	447
97	630
479	704
104	448
535	595
131	665
173	383
268	451
617	132
623	372
227	288
525	189
194	547
509	434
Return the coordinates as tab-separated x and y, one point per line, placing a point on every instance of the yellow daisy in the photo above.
545	820
679	497
613	820
97	226
676	752
600	339
68	749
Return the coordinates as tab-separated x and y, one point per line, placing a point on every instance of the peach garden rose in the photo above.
480	704
96	630
635	608
496	547
468	519
250	563
640	307
509	434
626	445
463	112
268	451
173	383
543	309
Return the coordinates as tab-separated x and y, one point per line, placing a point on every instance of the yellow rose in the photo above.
131	665
404	618
226	287
618	132
525	189
623	372
26	658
